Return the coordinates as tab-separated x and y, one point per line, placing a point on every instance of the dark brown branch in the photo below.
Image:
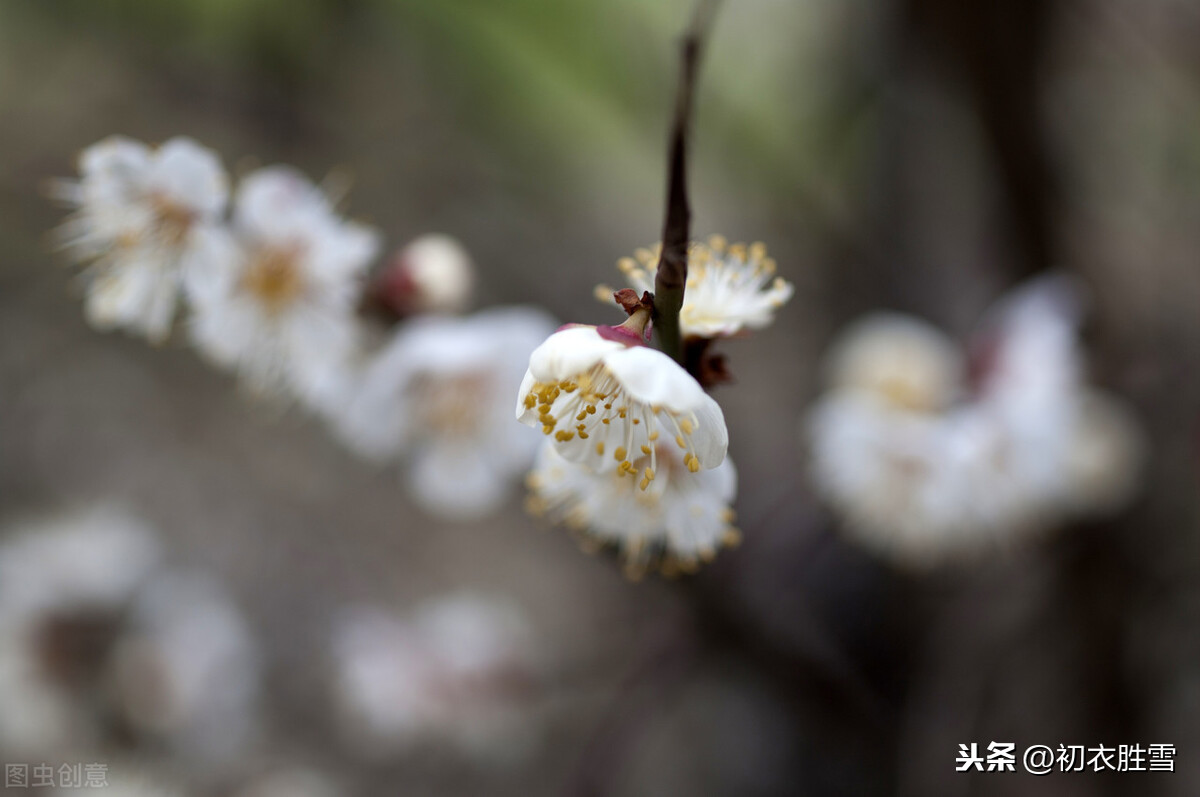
671	277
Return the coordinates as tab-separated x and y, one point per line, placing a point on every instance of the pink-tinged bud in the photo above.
433	274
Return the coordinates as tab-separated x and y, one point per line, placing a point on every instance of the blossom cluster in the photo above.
96	628
926	451
635	450
104	637
932	454
271	281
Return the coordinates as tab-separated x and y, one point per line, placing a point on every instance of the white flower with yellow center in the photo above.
605	399
437	396
902	360
282	313
729	287
147	222
678	520
926	466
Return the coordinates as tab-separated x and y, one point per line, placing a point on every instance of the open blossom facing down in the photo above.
730	288
682	518
605	399
147	222
460	670
437	396
925	466
281	312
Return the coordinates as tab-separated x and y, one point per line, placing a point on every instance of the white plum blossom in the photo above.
432	274
282	312
681	519
184	669
914	485
437	397
64	585
460	670
925	466
148	222
1078	449
730	288
604	397
93	630
898	358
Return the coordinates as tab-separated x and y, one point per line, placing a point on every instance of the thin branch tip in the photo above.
671	276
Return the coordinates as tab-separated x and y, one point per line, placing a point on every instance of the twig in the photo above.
671	277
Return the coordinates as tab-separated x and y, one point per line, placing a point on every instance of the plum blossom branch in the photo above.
671	277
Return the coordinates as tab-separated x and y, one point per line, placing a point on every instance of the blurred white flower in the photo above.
903	360
91	630
282	312
438	395
185	670
673	521
1078	450
432	274
916	486
461	670
64	584
148	222
602	395
729	288
926	467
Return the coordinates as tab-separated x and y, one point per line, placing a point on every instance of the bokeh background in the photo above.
922	155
